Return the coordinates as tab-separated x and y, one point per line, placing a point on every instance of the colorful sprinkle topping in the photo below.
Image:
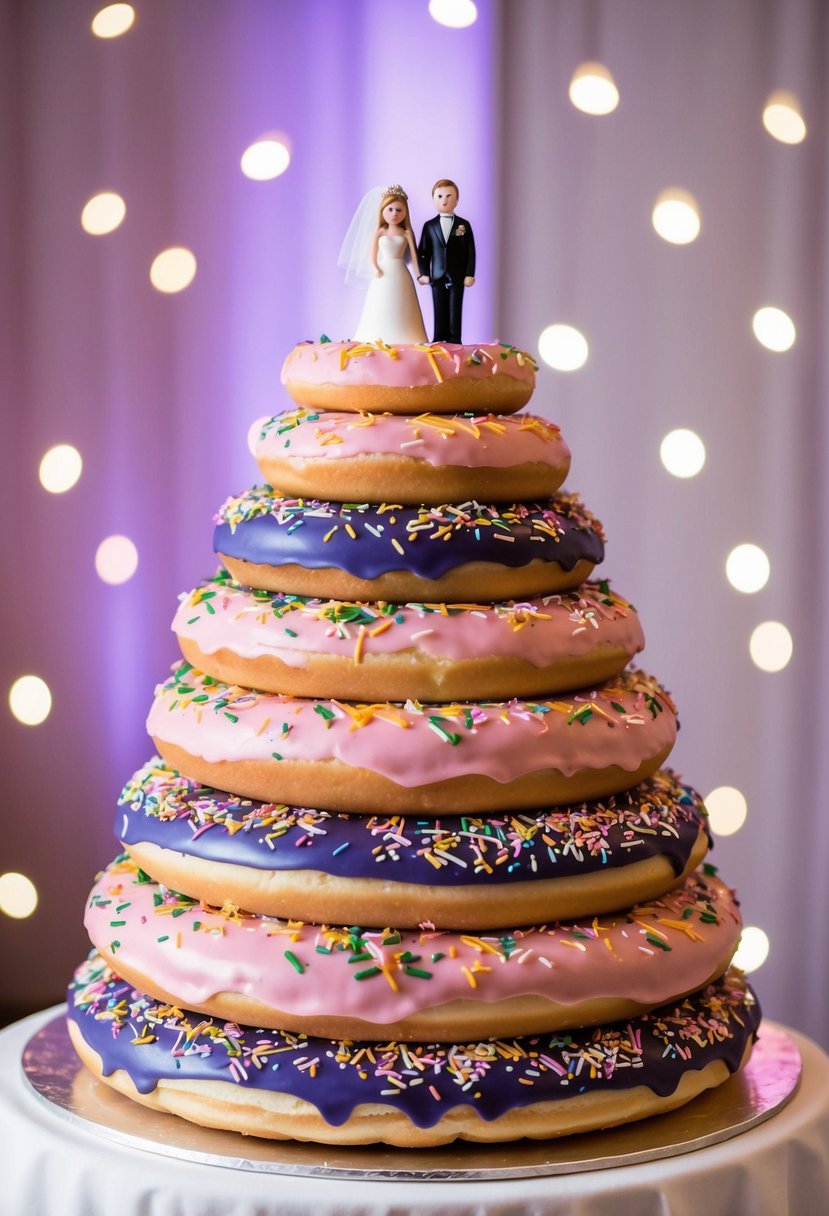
428	522
659	817
153	1041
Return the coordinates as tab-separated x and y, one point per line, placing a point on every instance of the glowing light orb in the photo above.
771	646
116	560
727	810
456	14
747	568
783	119
173	270
30	700
112	21
682	452
676	217
60	468
265	159
563	347
593	89
774	329
18	895
753	949
103	213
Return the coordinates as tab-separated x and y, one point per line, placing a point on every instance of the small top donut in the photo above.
344	1083
426	457
443	378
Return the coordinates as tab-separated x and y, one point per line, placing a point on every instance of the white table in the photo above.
53	1168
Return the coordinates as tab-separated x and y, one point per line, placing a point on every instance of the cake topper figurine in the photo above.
446	256
374	254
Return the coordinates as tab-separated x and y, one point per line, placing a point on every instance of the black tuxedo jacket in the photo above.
452	260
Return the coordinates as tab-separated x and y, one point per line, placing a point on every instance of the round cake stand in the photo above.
764	1086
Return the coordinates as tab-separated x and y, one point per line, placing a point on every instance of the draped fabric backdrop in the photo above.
158	392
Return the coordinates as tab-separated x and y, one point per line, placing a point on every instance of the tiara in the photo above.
395	190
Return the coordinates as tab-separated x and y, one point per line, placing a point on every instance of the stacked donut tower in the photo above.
407	867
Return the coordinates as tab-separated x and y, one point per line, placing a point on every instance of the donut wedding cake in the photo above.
407	866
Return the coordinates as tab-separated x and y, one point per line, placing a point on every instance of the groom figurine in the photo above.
446	255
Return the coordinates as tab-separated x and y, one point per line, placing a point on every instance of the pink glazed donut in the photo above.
442	378
414	984
425	458
402	759
394	652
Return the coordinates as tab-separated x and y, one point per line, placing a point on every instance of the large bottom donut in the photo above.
292	1087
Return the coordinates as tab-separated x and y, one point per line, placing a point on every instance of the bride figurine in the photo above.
374	252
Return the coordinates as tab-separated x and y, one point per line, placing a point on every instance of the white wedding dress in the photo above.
391	312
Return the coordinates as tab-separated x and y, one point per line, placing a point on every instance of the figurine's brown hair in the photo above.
446	181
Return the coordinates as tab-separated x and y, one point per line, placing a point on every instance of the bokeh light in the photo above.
116	560
783	118
265	159
30	700
60	468
682	452
173	269
771	646
593	89
676	217
774	328
563	347
112	21
457	14
18	895
747	568
753	949
727	810
103	213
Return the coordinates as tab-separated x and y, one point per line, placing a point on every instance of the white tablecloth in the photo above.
51	1168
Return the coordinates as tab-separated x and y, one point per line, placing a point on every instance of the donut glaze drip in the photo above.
620	723
660	817
368	541
646	954
153	1042
542	630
